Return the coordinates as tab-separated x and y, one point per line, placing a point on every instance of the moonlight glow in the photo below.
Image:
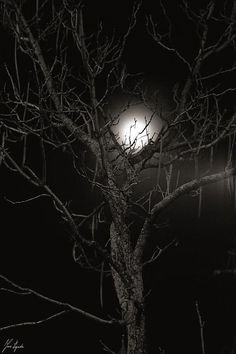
137	127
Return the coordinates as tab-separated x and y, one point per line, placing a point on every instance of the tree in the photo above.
52	102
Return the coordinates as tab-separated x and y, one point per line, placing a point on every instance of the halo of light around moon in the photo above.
136	127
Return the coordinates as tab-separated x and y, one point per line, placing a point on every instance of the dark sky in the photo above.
36	248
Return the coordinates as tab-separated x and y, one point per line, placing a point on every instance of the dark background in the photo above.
36	248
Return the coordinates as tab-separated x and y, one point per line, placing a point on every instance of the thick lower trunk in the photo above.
136	341
128	283
132	307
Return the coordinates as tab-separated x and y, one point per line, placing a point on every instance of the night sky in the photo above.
36	247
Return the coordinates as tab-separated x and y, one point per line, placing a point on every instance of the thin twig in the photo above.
33	323
26	200
201	323
66	305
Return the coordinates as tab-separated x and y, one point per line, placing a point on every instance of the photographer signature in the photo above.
12	344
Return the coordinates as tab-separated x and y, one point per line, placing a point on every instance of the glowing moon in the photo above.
137	127
134	132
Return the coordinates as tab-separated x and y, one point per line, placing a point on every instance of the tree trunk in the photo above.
129	290
132	308
136	339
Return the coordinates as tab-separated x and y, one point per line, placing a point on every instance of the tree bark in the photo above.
136	336
129	291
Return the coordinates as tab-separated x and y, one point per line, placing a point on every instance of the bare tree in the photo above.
64	105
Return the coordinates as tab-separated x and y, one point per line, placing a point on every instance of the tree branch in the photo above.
188	187
65	305
178	192
33	323
69	124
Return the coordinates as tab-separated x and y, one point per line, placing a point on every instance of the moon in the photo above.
137	127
